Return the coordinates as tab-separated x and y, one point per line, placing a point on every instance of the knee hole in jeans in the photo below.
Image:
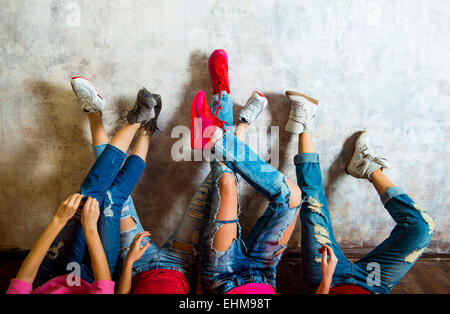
224	237
127	223
286	235
295	198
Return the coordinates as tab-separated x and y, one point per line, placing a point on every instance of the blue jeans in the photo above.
187	235
190	229
255	259
389	261
226	112
110	180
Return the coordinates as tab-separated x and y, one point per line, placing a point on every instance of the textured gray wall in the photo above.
377	65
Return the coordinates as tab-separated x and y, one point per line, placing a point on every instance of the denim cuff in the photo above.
98	149
137	161
306	157
391	193
114	148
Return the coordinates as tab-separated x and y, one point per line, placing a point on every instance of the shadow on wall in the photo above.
253	203
337	168
166	187
164	190
42	173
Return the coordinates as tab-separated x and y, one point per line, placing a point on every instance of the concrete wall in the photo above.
376	65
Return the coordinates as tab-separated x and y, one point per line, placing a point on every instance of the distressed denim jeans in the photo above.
253	260
189	231
181	251
381	269
110	180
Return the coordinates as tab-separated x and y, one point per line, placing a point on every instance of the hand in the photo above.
328	264
90	214
68	208
136	251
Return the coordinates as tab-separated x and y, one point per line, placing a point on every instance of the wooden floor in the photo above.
427	276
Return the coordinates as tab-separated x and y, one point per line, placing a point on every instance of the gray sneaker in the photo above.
152	126
146	109
91	100
364	161
302	114
254	106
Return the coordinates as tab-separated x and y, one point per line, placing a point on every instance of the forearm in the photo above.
32	262
324	287
99	262
125	278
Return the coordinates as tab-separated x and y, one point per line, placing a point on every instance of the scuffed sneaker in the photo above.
91	100
252	109
302	114
144	108
364	161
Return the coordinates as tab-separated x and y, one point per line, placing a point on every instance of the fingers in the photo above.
77	201
145	247
72	199
88	203
139	237
330	252
324	256
94	205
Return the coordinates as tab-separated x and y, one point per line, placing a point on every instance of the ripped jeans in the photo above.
253	260
180	252
110	180
381	269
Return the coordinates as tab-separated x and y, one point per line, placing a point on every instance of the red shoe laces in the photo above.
217	121
222	76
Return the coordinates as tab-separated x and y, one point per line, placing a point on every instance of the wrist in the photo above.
128	263
90	230
326	282
58	221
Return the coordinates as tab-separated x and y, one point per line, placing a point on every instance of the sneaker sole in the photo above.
195	127
293	93
265	104
353	154
91	85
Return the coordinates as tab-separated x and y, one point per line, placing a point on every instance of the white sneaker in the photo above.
90	99
302	114
364	161
252	109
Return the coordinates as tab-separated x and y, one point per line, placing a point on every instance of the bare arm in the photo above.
324	287
89	220
134	254
32	262
125	278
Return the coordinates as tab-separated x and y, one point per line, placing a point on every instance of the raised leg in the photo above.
110	224
108	164
315	217
391	260
98	132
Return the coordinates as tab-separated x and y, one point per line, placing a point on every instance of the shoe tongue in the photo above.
221	70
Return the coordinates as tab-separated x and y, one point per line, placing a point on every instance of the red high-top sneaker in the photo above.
218	70
203	123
